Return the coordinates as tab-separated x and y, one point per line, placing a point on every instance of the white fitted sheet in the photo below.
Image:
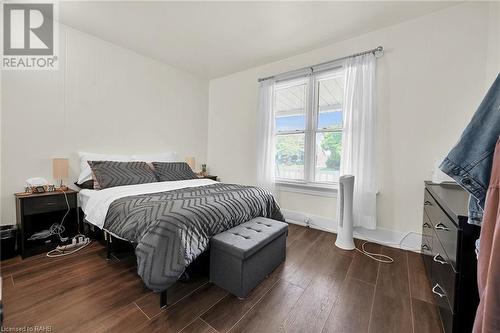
83	198
95	203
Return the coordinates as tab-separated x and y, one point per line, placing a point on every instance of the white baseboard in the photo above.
408	241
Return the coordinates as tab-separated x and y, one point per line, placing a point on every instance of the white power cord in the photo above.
62	250
382	257
375	256
79	241
56	228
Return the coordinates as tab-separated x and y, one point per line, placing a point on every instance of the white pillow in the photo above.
160	157
86	173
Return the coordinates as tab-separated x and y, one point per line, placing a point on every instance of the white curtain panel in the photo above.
358	137
266	137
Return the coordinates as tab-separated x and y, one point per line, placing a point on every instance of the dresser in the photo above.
448	250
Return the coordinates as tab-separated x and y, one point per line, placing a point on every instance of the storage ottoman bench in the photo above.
240	258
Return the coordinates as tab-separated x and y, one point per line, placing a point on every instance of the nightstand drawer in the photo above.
45	204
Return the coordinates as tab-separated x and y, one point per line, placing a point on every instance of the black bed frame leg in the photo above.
108	246
163	299
185	277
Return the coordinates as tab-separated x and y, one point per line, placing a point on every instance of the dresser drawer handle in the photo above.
440	293
426	225
425	247
441	226
438	258
427	203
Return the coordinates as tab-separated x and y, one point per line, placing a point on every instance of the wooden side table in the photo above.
37	212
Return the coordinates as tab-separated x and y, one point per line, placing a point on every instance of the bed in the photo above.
170	223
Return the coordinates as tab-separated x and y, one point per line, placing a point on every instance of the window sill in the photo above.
317	189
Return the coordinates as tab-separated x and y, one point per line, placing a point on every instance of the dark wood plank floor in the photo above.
319	288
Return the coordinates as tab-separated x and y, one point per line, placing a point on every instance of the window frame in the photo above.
283	85
311	128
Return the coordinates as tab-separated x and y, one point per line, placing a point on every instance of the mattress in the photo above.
83	198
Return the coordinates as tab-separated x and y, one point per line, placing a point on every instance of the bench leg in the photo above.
163	299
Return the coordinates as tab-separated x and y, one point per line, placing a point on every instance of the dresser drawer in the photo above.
426	253
429	203
446	231
427	229
447	319
428	236
46	204
443	277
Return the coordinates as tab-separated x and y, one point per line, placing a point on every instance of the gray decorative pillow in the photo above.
167	171
108	174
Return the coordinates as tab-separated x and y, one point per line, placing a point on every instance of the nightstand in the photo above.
209	177
37	212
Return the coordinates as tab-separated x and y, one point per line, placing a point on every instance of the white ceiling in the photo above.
213	39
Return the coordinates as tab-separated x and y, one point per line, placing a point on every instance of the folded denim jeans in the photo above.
469	162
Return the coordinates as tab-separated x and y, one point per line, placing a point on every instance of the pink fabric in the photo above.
488	269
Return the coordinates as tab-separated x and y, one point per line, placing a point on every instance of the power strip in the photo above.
75	242
78	243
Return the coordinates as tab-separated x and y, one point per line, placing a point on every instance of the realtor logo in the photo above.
29	36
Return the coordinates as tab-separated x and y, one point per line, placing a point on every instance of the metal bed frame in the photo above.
89	228
108	237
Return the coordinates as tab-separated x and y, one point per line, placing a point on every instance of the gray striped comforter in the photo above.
172	228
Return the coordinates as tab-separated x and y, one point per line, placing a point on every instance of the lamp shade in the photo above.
60	167
191	162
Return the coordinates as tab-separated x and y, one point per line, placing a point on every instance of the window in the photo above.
309	128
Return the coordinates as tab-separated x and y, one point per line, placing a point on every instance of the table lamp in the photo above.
191	162
60	167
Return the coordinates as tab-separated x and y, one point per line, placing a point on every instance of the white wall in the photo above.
493	60
103	98
430	82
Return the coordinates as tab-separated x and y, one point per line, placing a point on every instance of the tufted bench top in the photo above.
247	238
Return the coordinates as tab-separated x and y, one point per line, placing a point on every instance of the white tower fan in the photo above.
345	238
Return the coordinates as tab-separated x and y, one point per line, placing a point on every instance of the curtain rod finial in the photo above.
379	51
